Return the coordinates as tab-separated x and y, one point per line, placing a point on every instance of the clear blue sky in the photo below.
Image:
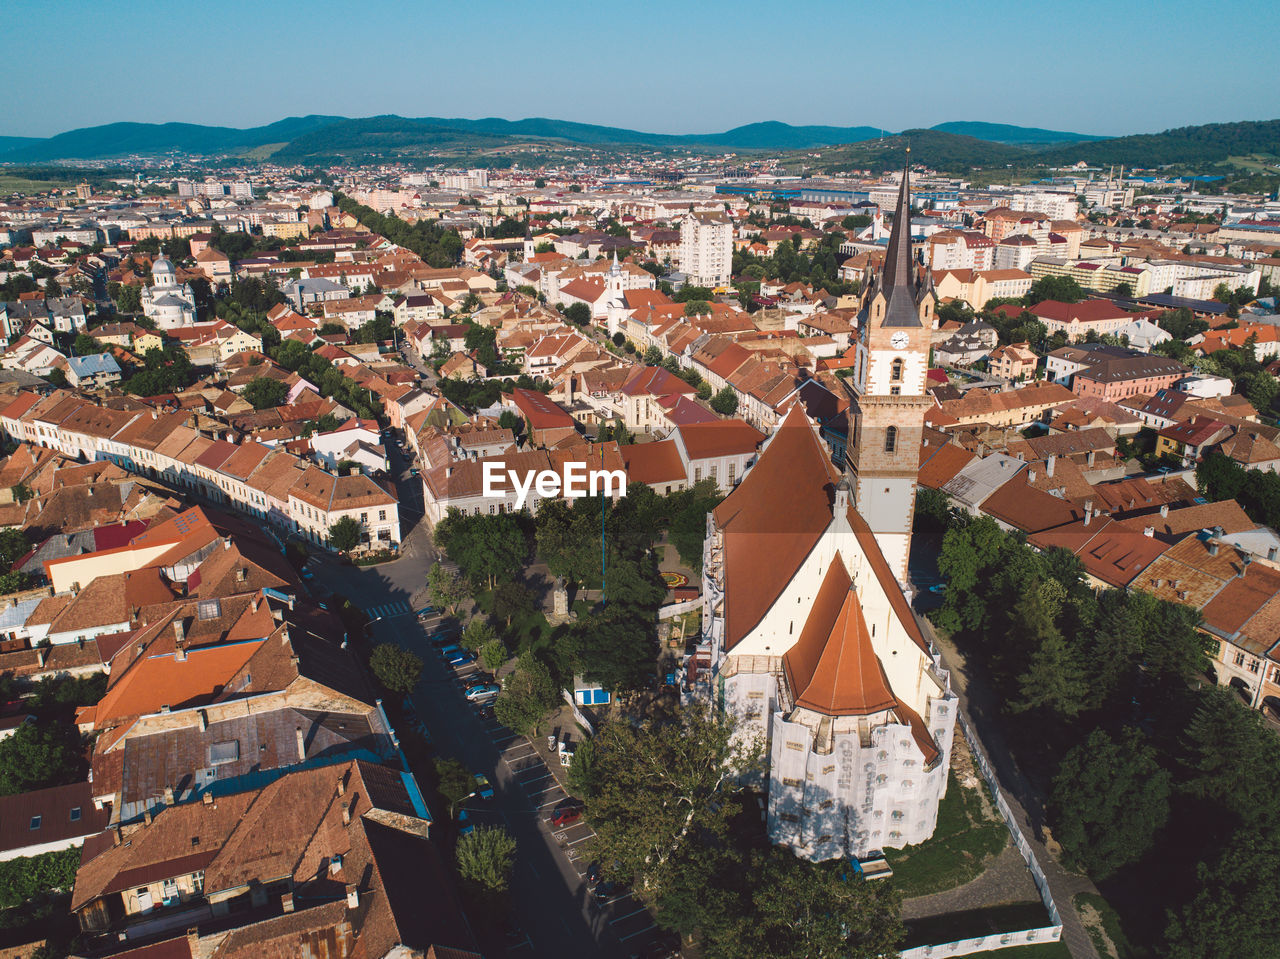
695	66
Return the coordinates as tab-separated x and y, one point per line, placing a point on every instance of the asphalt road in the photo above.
552	904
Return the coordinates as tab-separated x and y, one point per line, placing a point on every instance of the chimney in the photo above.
169	798
1050	463
204	720
1245	560
1164	510
207	799
1149	532
342	785
302	744
146	816
179	634
42	654
1088	511
346	814
1271	553
1031	477
353	895
1213	547
193	941
1089	459
286	902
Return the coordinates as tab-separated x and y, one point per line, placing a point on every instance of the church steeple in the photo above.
898	278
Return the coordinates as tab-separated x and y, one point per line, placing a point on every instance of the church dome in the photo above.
162	265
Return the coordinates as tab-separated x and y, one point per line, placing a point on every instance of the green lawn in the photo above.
1103	925
965	840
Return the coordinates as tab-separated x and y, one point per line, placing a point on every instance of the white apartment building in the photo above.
706	249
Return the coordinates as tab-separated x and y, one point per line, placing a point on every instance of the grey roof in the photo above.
897	279
15	615
95	364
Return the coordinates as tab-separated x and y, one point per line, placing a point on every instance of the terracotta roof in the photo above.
1029	509
652	463
722	438
1108	550
772	520
942	464
832	668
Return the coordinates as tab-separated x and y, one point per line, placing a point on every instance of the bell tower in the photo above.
887	415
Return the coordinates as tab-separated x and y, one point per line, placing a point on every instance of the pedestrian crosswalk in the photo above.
388	609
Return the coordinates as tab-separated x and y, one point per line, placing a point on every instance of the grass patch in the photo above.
1011	917
1103	925
21	184
966	838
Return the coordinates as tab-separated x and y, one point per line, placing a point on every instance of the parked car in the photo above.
427	612
465	825
482	691
307	574
483	789
460	658
450	648
567	813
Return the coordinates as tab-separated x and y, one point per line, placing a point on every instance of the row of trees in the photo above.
438	248
1165	791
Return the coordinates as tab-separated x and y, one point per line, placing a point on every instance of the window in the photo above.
896	371
382	514
1239	659
891	439
227	751
733	471
697	474
35	822
895	391
75	814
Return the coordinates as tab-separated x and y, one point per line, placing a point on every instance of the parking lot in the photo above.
626	920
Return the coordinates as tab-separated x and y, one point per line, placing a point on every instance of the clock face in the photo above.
899	340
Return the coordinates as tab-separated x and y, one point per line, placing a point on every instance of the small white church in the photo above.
814	646
167	302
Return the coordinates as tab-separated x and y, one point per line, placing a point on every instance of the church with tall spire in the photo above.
814	647
889	402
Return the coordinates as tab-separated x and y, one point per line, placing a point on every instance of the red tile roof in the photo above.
832	667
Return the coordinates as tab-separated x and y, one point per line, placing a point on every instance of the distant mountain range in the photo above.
298	138
948	146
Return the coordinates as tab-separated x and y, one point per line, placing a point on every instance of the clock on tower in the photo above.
889	401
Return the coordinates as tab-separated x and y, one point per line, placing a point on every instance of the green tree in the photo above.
806	910
21	493
725	402
1232	914
265	393
27	878
652	356
1110	799
85	345
493	654
508	420
486	857
1061	288
704	392
14	582
14	542
454	781
345	534
660	785
511	600
528	694
397	669
38	755
476	634
1054	679
446	588
578	313
697	308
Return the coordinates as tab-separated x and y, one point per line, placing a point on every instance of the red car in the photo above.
566	814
